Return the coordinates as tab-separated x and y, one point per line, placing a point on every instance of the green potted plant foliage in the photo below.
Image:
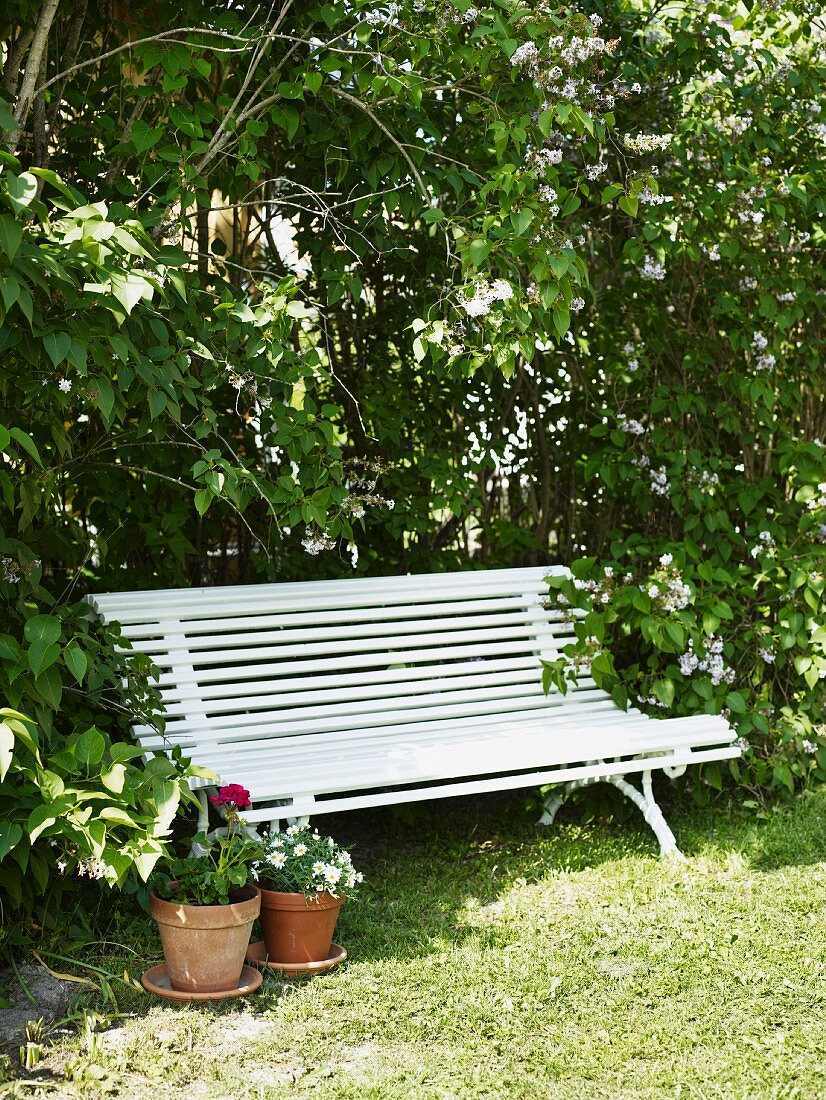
304	879
205	905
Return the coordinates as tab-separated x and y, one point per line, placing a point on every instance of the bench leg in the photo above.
644	800
275	824
203	813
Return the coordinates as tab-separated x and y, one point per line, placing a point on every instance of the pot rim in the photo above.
289	900
242	911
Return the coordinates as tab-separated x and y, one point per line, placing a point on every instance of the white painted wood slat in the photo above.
327	688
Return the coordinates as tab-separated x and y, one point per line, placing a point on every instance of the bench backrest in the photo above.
264	660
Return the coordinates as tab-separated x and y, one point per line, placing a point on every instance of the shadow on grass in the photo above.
429	871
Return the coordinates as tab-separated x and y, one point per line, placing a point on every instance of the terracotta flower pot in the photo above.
204	945
297	929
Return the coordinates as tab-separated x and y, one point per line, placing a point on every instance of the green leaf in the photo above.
7	119
42	628
90	746
203	499
50	686
664	691
6	749
41	656
50	783
41	818
10	835
143	136
10	291
21	190
121	751
57	346
629	205
114	779
27	443
118	817
478	250
46	174
76	661
521	220
105	399
11	236
736	703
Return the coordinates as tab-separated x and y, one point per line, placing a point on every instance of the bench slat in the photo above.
322	688
309	805
194	623
373	684
329	766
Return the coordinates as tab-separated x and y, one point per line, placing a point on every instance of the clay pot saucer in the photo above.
257	955
156	980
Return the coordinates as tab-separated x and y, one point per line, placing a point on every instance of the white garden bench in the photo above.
329	695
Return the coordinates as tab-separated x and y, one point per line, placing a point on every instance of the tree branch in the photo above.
377	122
37	52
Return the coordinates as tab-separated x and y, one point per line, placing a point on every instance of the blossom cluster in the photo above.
301	861
9	570
316	540
632	353
646	143
765	545
92	867
484	295
764	360
553	66
668	591
652	269
711	662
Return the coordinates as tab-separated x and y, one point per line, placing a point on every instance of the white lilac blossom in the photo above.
646	143
765	362
545	158
526	54
651	198
10	570
484	295
809	747
632	426
652	269
583	49
578	304
94	868
767	655
759	341
748	283
315	543
64	385
705	480
382	17
659	481
712	253
594	171
789	296
712	662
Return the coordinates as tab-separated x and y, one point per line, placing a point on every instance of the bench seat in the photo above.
328	695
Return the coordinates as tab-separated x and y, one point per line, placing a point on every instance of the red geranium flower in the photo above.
233	796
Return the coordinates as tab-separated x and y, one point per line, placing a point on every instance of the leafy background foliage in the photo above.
237	252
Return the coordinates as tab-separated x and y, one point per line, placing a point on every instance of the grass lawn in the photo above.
489	958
